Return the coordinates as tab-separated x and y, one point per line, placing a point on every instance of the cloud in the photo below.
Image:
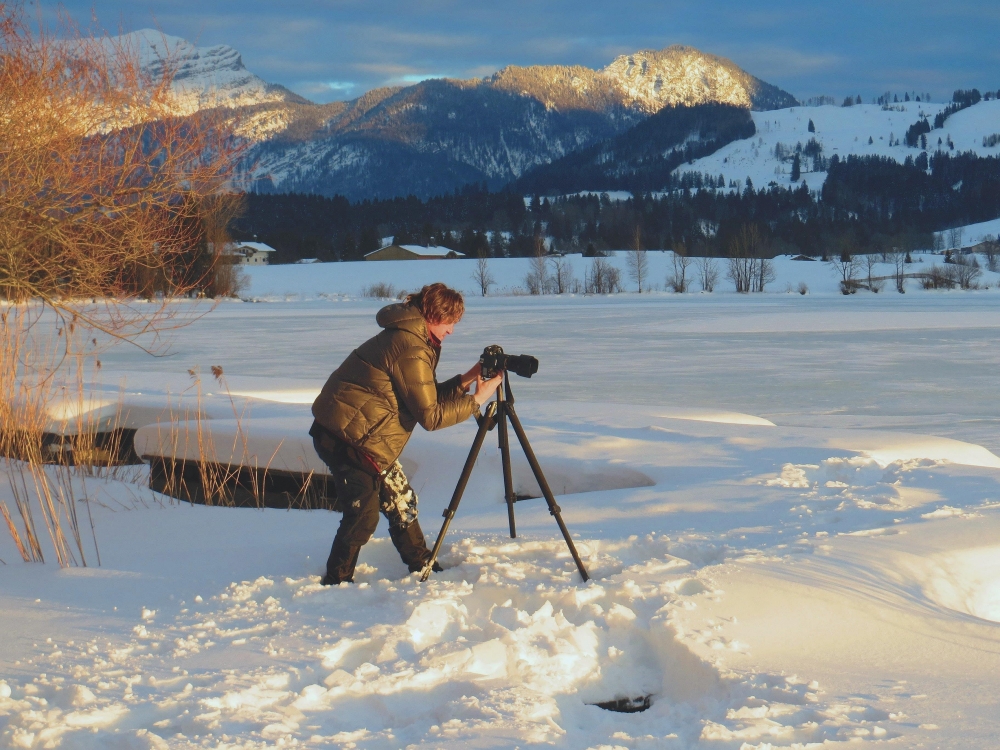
806	45
386	38
325	89
779	61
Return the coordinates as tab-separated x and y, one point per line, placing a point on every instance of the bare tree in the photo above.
875	284
847	267
898	260
765	274
638	263
603	278
680	261
708	273
955	238
537	279
562	275
749	270
481	274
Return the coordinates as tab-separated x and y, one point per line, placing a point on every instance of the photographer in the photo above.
367	410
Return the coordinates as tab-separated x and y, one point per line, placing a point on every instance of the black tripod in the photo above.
497	414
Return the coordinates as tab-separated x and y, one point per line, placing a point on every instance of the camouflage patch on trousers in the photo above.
397	500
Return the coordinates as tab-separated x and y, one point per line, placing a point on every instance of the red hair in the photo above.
438	304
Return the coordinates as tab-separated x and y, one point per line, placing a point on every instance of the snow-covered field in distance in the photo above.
832	576
324	280
845	131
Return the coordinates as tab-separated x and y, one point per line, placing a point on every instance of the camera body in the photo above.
494	361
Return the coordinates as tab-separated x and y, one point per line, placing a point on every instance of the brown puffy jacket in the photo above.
387	386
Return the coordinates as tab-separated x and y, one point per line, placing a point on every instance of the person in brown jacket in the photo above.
369	407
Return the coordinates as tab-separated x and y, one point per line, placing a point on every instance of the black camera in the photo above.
494	360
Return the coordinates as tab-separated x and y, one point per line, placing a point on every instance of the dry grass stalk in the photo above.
42	420
219	476
15	534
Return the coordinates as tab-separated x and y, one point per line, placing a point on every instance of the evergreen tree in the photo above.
796	169
812	127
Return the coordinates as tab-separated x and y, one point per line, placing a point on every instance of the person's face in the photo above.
440	330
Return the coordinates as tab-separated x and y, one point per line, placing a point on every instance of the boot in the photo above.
411	546
340	565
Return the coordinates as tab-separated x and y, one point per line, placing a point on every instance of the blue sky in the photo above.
338	49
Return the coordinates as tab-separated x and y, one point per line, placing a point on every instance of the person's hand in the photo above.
471	376
486	388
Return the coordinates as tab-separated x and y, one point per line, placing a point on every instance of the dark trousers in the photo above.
362	493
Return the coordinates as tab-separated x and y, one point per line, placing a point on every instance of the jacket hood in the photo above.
403	317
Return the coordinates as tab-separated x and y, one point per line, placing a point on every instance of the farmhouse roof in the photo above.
260	247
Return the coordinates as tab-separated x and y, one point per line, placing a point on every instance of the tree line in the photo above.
866	202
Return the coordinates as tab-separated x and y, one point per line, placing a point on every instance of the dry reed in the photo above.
46	425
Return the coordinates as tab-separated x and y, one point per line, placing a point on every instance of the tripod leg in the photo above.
554	509
508	480
456	498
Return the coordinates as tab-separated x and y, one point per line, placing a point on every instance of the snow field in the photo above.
788	506
843	131
335	281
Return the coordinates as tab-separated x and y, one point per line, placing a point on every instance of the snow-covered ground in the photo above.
332	281
789	506
844	131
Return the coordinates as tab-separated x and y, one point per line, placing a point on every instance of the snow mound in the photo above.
719	417
886	448
966	581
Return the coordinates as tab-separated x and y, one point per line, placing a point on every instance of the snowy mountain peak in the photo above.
653	79
203	77
645	81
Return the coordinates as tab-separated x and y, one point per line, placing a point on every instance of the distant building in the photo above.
251	253
412	252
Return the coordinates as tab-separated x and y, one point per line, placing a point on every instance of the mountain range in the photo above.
440	134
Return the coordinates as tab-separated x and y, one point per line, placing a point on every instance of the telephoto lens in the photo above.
494	361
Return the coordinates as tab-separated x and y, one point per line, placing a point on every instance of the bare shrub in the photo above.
939	277
749	270
966	271
678	280
708	273
991	251
104	193
848	268
603	278
562	280
803	288
379	290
